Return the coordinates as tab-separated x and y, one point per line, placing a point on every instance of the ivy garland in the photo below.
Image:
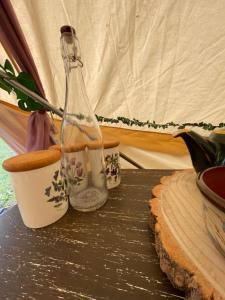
153	124
28	104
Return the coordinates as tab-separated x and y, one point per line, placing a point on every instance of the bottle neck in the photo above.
70	52
76	99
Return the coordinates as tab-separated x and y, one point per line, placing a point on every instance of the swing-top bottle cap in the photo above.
67	29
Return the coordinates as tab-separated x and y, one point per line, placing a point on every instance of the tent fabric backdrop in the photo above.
144	59
150	150
150	60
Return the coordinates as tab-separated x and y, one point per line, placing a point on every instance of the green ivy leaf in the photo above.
9	68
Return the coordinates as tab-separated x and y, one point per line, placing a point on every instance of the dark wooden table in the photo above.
107	254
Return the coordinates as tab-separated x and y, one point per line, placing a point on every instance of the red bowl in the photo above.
211	182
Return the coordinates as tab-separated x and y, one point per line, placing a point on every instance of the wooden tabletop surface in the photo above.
106	254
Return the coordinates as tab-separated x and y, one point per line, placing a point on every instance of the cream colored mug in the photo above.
38	186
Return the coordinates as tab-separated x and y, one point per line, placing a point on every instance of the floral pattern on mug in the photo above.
73	171
57	186
112	166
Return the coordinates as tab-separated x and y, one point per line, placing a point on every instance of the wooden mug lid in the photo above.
107	143
31	160
94	145
69	148
110	143
55	147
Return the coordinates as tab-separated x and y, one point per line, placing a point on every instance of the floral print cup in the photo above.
96	158
38	186
73	169
111	153
112	163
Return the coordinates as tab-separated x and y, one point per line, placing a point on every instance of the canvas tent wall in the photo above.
143	59
149	150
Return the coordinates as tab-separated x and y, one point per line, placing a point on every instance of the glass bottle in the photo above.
81	139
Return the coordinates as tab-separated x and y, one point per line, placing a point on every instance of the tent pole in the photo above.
33	95
52	108
131	161
41	100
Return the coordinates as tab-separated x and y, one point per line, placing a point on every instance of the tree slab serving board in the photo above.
186	252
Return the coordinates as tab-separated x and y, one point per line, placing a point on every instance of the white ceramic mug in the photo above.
39	192
112	164
97	167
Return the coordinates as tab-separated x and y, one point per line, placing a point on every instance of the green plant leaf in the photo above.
8	67
5	86
1	66
24	105
35	105
29	105
25	102
20	95
26	80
